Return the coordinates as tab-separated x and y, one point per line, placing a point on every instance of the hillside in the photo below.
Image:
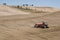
21	27
13	10
6	10
34	9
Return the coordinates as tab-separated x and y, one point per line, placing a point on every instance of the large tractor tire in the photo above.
45	26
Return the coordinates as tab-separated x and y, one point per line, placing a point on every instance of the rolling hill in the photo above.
21	27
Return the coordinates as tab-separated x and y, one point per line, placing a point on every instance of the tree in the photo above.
4	3
18	6
26	4
32	5
23	5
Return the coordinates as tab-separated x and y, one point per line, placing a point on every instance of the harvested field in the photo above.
21	27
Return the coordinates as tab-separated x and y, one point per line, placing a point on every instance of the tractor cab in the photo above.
41	25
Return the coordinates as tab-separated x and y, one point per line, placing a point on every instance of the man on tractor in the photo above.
41	25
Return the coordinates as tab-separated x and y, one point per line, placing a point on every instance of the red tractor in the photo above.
41	25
